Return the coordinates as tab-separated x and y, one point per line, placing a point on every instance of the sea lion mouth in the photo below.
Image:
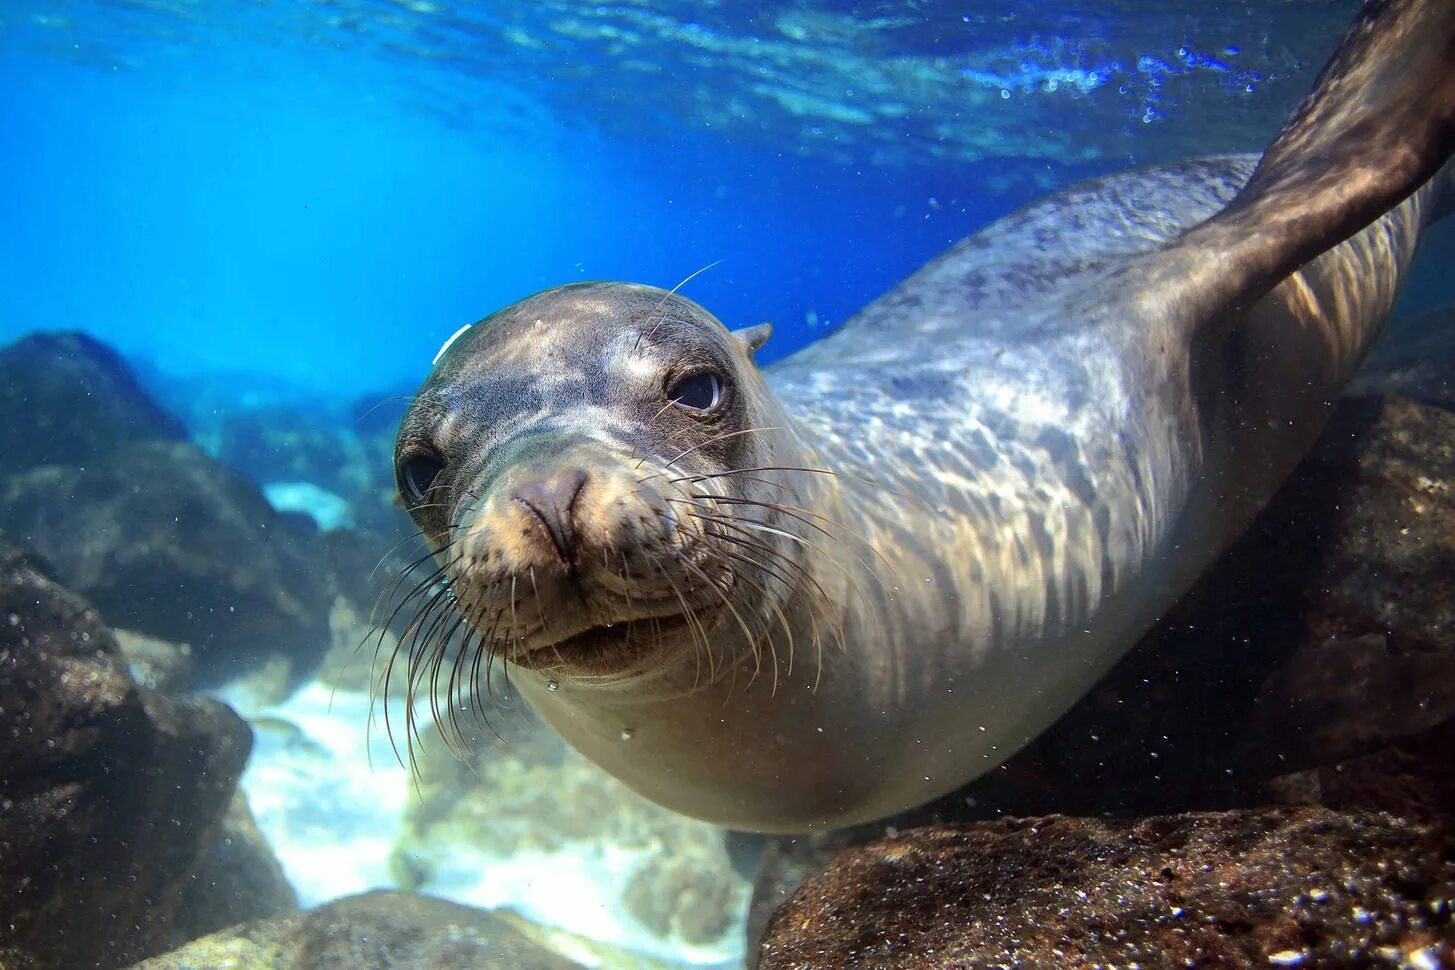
609	647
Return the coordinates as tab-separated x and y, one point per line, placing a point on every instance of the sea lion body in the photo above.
1032	499
1036	443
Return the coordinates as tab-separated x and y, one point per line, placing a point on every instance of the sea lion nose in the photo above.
552	499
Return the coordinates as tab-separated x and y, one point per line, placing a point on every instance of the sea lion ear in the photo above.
755	336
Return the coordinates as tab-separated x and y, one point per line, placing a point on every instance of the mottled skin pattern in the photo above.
1036	443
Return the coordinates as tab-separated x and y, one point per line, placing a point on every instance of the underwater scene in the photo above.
666	484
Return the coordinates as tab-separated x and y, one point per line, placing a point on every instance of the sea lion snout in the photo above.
575	555
575	510
552	499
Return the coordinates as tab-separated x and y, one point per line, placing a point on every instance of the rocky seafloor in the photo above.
1268	779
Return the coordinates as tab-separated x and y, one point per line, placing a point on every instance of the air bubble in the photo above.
627	733
552	685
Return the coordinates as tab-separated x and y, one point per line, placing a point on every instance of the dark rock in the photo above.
676	897
1342	698
289	445
790	861
1363	706
319	446
237	879
1413	777
109	793
374	931
1387	562
168	542
155	664
1305	887
66	399
1415	359
366	564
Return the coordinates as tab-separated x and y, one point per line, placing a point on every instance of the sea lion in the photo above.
827	591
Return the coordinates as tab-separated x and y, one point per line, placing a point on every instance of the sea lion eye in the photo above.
417	473
702	391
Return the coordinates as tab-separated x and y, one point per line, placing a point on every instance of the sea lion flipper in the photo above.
1379	123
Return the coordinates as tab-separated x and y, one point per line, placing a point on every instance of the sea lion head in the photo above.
593	468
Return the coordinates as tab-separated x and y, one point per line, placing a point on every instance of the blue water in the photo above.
318	193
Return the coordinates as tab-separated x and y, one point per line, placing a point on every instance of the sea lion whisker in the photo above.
713	440
814	470
820	602
456	685
627	594
448	725
386	680
735	526
482	657
791	511
372	627
800	513
822	596
461	707
767	598
705	476
693	624
430	582
749	639
746	478
388	592
740	524
391	399
423	663
663	302
417	534
761	527
476	648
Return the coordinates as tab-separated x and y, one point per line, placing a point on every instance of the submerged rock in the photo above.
1359	712
110	795
319	448
169	542
373	931
154	663
237	879
68	399
1416	359
1253	888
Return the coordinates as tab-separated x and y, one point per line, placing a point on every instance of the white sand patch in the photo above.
331	817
